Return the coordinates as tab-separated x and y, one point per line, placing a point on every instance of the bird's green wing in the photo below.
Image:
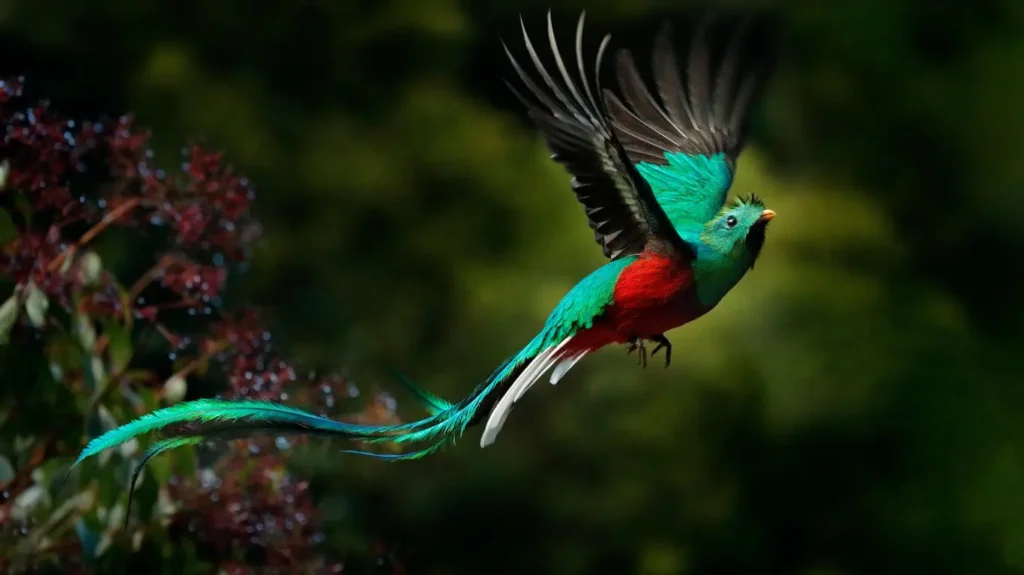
620	204
686	146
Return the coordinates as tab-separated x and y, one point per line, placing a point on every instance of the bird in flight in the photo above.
652	176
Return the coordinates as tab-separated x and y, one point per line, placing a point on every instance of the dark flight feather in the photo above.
705	113
619	203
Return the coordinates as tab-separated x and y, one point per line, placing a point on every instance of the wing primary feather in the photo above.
703	113
530	84
579	61
737	123
601	49
519	95
670	85
698	78
565	73
569	107
723	97
639	97
635	124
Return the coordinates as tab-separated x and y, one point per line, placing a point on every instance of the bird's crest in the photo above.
749	200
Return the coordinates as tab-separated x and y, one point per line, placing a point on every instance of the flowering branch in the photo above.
64	184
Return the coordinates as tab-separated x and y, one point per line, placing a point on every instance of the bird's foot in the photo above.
663	342
637	344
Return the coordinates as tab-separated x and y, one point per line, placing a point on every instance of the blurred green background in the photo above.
851	408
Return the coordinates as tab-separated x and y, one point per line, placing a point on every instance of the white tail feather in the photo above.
536	370
563	368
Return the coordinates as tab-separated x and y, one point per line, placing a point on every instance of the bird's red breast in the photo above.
653	295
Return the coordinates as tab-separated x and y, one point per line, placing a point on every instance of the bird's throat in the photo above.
715	276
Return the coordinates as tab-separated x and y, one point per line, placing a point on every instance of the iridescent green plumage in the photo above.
691	187
208	417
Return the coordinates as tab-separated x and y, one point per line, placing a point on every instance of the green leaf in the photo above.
119	346
90	380
65	265
90	267
8	317
8	231
29	501
85	331
99	373
137	539
36	306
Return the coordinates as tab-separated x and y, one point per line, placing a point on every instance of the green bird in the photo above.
652	178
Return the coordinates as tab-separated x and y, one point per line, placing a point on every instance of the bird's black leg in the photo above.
635	344
663	342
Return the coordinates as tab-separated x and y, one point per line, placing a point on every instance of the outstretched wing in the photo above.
686	145
619	203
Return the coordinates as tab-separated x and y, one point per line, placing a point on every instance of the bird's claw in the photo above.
663	342
638	344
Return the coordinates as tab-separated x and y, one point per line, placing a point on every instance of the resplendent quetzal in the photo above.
653	179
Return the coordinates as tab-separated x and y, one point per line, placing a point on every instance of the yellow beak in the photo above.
767	215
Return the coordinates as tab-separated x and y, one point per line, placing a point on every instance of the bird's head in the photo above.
738	230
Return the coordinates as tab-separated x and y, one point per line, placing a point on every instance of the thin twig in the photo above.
88	236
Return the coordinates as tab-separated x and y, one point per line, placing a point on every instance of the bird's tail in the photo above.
193	422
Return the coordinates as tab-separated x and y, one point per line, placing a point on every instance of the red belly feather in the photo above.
652	295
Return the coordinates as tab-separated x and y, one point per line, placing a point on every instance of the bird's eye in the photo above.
730	222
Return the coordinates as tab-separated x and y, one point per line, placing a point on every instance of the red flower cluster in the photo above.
254	370
51	160
256	511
